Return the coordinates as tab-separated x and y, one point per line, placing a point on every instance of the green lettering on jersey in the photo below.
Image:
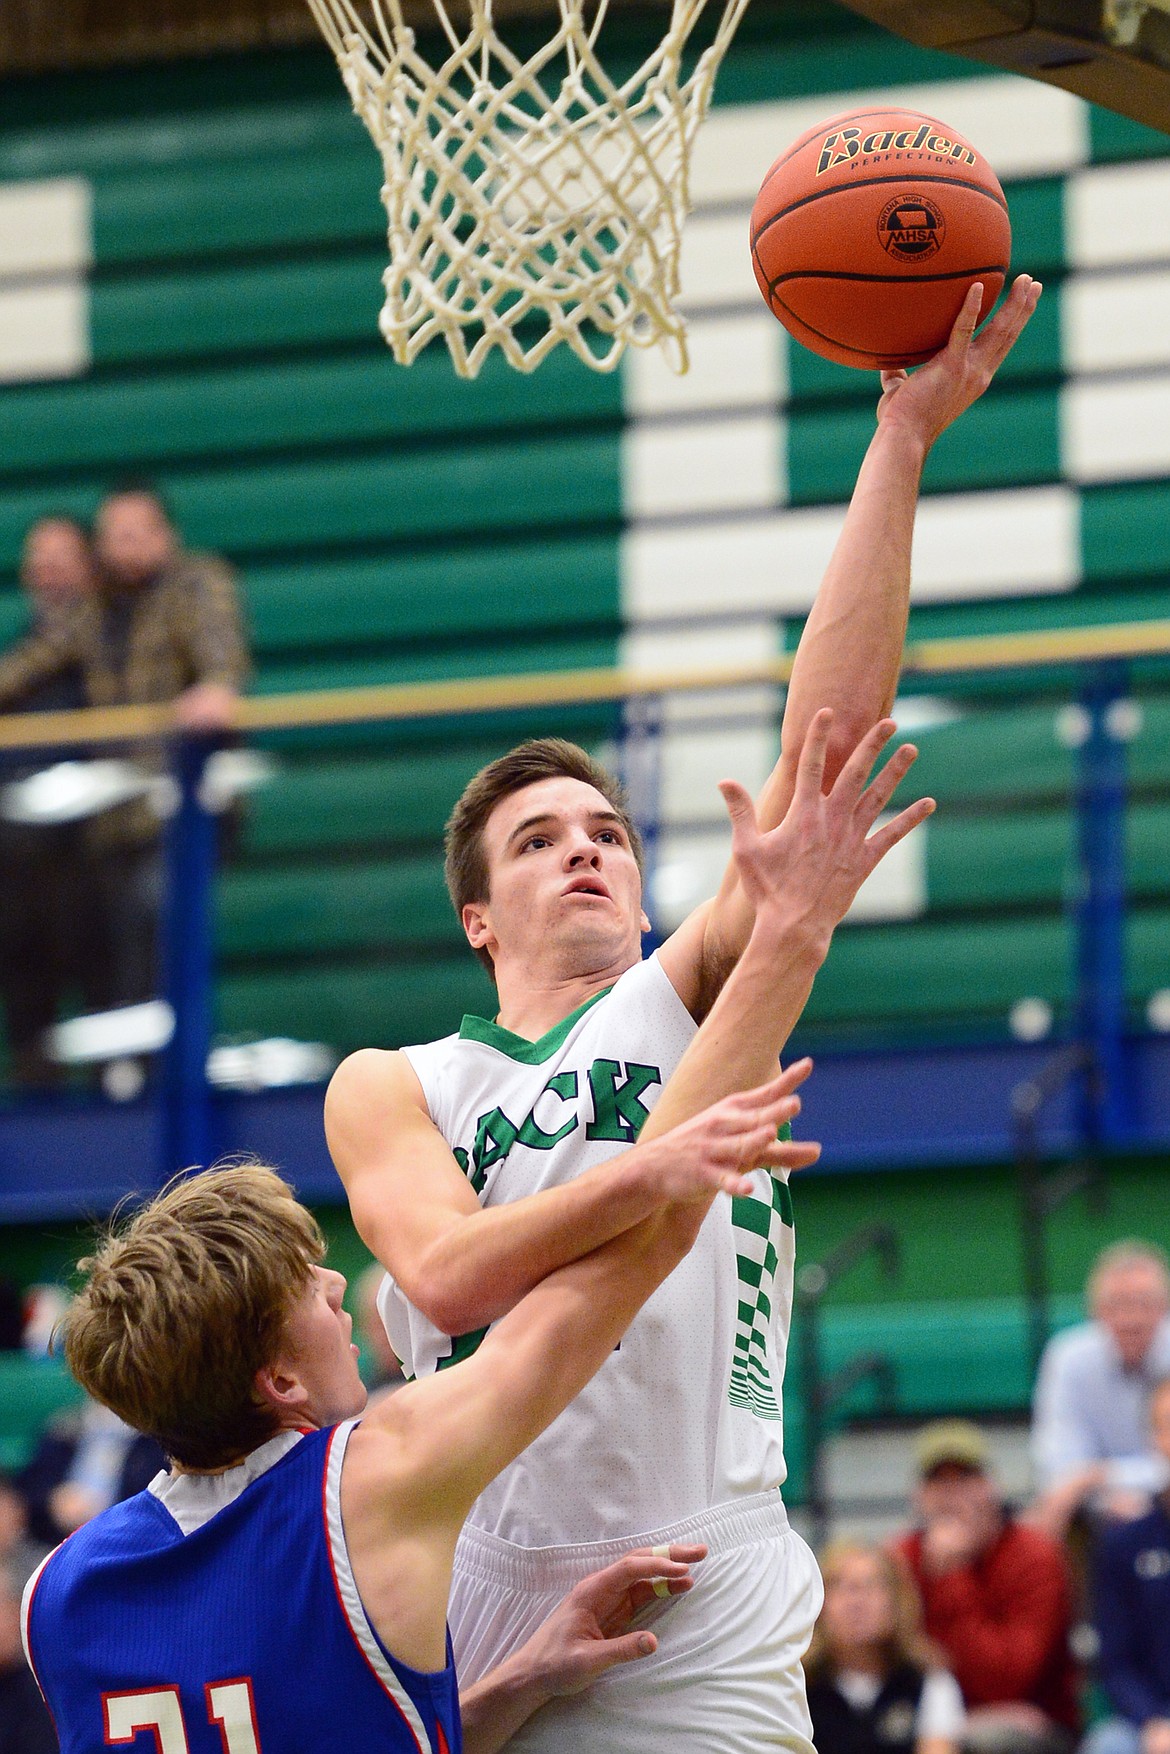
618	1112
475	1176
532	1133
495	1136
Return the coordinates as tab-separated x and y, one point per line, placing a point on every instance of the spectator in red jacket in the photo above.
996	1598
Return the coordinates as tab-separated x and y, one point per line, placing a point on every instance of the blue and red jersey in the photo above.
219	1615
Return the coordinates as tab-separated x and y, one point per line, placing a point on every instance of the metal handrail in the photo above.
424	700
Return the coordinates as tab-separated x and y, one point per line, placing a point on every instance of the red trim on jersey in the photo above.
341	1600
210	1687
137	1693
27	1609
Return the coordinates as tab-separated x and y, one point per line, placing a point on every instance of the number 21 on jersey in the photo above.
229	1705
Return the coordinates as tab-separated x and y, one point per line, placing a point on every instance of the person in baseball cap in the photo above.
996	1599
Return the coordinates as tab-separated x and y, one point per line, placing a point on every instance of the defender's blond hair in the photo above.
542	758
183	1304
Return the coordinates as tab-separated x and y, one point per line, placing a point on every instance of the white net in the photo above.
532	201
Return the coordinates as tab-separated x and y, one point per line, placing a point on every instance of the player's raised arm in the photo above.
850	651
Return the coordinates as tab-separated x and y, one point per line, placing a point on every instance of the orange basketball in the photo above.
868	231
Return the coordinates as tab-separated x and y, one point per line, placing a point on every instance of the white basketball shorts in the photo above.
726	1677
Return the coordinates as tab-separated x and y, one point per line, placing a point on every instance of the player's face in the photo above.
133	538
55	566
318	1348
562	877
859	1609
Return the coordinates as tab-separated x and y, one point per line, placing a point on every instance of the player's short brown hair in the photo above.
182	1305
542	758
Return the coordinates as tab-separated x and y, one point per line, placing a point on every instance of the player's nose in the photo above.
582	850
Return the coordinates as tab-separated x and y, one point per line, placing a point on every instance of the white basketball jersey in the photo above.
686	1413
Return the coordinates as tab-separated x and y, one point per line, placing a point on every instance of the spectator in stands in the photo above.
50	934
1132	1615
17	1547
25	1724
84	1463
1090	1430
164	625
996	1599
874	1684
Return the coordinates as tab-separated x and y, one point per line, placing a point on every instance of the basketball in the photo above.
868	231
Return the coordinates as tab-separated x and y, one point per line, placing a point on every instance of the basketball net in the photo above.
523	217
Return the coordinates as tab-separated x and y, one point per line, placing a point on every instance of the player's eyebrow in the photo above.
547	816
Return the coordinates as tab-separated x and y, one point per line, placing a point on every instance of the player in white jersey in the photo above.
477	1164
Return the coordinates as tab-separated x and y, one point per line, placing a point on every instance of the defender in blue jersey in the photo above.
283	1590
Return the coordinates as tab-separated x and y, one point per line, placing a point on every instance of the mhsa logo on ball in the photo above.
844	144
911	227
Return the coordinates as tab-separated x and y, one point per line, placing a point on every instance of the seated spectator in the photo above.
996	1599
17	1547
163	625
50	939
1090	1430
1132	1615
874	1685
84	1463
25	1724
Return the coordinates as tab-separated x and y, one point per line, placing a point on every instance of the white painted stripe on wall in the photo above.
688	870
1023	128
1113	431
715	267
895	889
1111	322
44	330
648	645
737	361
734	463
46	228
1118	213
712	735
973	545
1007	544
693	763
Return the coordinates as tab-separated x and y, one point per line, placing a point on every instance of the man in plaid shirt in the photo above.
163	625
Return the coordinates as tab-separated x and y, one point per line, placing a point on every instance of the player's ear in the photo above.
644	921
476	923
279	1387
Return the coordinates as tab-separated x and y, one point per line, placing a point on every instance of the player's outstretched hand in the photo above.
590	1631
715	1150
929	399
804	873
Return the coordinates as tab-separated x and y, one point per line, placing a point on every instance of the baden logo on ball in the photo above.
868	231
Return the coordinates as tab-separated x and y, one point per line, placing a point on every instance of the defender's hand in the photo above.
590	1631
807	871
926	402
715	1151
